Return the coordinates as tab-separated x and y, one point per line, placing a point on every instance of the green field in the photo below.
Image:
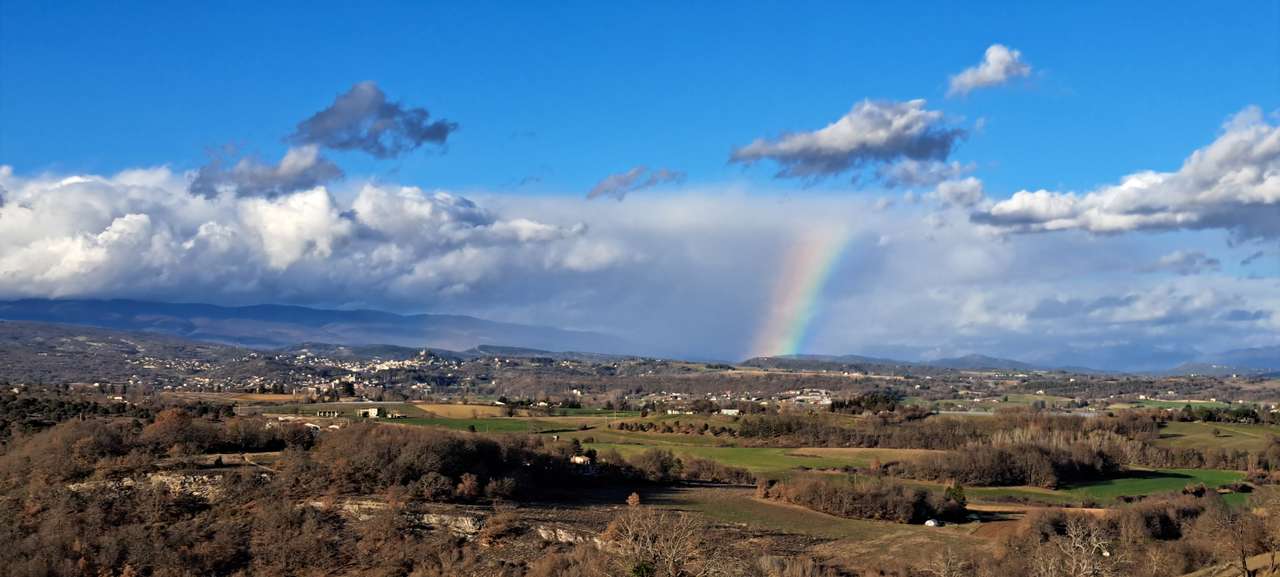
989	402
1026	494
1157	404
1133	483
852	541
777	462
1230	435
345	409
584	412
583	425
1151	482
1050	400
599	433
494	425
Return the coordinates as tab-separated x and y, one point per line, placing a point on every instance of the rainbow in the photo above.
797	292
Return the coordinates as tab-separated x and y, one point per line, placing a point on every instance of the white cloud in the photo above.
143	233
965	193
999	64
872	133
303	224
691	272
1232	184
1185	262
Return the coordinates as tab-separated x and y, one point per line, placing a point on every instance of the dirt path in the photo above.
248	458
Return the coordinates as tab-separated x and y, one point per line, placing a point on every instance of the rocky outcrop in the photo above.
461	525
561	534
208	487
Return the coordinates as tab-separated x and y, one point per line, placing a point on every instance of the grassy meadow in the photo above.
592	430
1158	404
1151	482
1235	436
491	425
856	541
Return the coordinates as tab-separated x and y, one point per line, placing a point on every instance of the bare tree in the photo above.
948	564
1267	501
1236	536
1086	549
661	544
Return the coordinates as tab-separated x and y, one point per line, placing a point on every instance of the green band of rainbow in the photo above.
797	292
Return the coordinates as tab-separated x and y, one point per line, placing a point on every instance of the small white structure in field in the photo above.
933	523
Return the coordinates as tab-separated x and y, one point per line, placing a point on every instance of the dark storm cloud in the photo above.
363	119
360	119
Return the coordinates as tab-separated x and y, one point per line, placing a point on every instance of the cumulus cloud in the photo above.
364	119
1185	262
998	66
872	133
1231	184
966	192
638	178
144	233
915	289
302	167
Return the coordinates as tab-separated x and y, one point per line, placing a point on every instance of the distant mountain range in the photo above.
1258	360
1263	361
972	362
369	333
277	326
393	352
891	366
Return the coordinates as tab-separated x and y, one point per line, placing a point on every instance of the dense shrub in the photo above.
865	498
706	470
1021	464
658	465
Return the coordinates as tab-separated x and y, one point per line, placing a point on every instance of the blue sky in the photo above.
572	91
131	101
